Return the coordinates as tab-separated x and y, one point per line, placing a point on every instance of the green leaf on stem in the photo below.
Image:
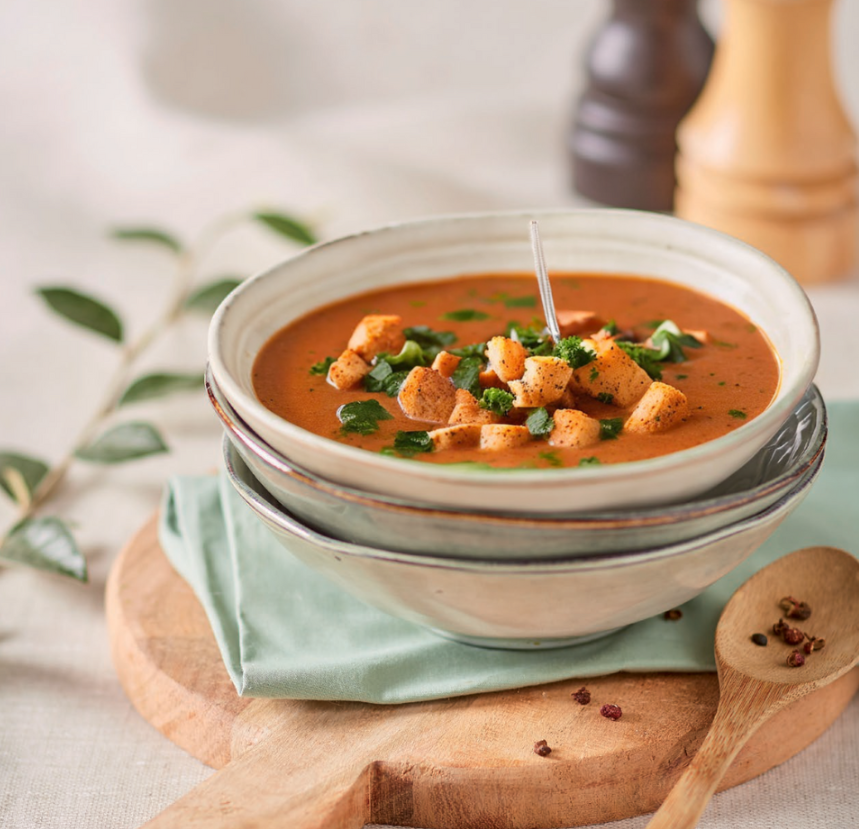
152	386
207	298
147	234
125	442
287	226
46	544
83	310
27	470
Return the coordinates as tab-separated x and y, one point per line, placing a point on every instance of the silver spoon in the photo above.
543	283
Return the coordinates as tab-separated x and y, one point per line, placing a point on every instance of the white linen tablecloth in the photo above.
173	114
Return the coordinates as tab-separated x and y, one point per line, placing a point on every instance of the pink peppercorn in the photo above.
611	712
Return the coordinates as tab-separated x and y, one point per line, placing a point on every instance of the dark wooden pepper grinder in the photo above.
645	68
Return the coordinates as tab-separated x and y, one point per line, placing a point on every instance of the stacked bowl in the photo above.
501	558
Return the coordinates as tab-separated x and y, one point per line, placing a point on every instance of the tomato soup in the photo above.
708	371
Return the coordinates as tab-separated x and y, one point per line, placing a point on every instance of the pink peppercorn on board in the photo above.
463	762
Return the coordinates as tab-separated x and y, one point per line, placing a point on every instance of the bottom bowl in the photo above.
510	604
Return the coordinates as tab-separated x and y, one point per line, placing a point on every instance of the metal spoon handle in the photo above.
543	283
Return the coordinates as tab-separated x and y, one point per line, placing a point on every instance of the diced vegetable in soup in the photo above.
463	371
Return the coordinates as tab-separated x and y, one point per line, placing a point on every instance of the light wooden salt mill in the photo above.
767	153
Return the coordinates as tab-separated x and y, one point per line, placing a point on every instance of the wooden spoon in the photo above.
754	681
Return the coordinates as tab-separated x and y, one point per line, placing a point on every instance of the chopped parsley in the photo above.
574	352
322	366
591	461
527	301
551	457
647	358
412	443
465	315
497	401
594	374
681	376
383	378
540	423
429	339
610	328
738	413
411	355
605	397
670	341
611	428
473	350
362	417
534	338
467	375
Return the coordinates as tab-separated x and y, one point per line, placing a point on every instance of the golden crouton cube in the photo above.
577	323
699	334
461	436
575	429
661	408
499	436
377	333
613	377
467	410
488	379
347	370
566	401
445	363
506	358
426	395
543	382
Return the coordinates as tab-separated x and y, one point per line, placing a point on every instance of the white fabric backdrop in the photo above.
349	113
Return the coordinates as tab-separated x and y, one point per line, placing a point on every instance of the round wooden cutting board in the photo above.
458	763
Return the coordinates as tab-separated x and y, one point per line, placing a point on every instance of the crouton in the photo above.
462	436
699	334
506	358
566	401
488	379
467	410
377	333
426	395
445	363
499	436
347	370
575	429
543	382
577	323
613	377
661	408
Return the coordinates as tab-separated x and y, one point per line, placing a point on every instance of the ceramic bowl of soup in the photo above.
793	454
518	604
735	335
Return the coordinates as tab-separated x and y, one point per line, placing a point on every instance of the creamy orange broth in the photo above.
736	372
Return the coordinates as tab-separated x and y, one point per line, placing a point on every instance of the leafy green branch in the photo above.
46	542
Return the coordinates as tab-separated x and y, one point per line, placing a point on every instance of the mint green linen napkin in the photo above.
285	631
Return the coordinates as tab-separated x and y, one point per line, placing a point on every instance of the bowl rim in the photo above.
283	521
237	430
785	398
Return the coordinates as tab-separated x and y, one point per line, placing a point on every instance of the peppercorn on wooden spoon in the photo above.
754	681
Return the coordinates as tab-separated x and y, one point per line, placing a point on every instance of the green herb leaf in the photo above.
410	356
46	544
591	461
287	226
412	443
611	328
30	472
551	457
723	344
382	378
737	413
611	428
605	397
147	234
540	423
362	416
83	310
465	315
534	338
574	352
473	350
497	401
427	338
125	442
647	358
529	301
670	341
467	375
207	298
152	386
320	369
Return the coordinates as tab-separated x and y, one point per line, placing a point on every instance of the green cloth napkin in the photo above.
285	631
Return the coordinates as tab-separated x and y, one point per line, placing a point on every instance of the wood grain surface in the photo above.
454	763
